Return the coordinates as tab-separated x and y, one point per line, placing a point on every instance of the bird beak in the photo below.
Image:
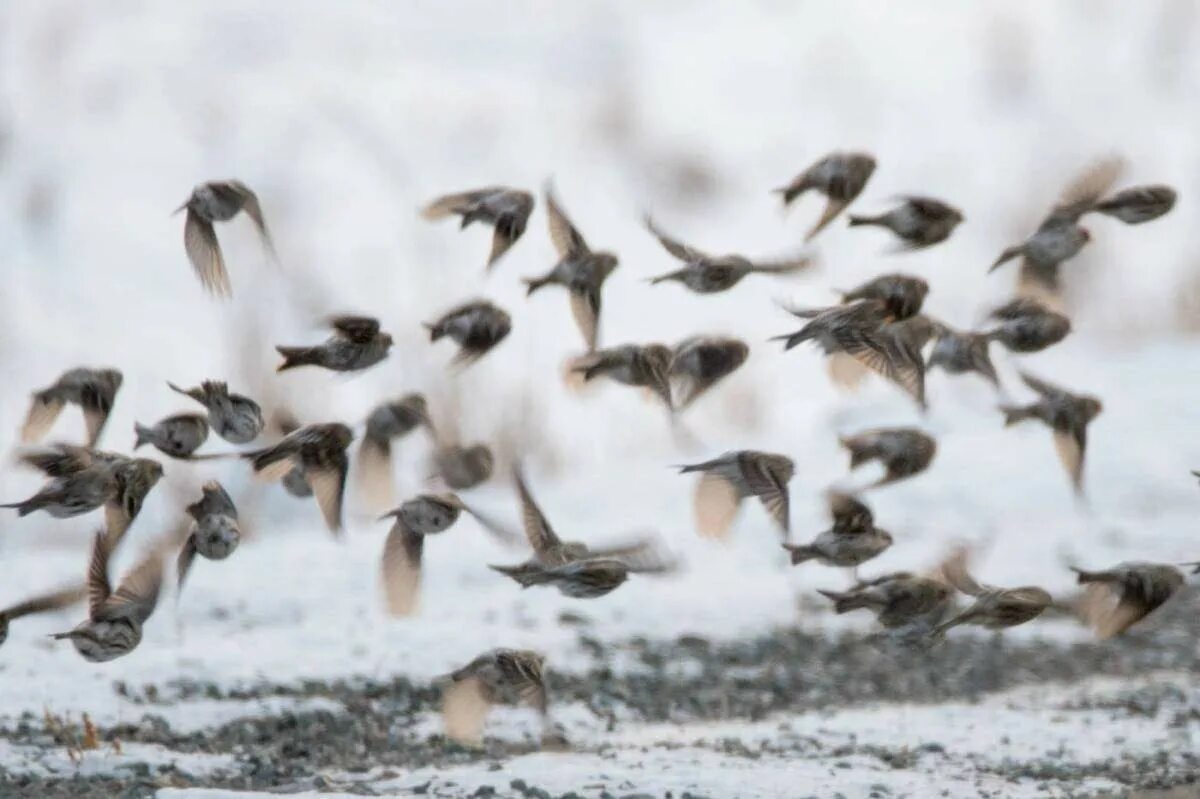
180	208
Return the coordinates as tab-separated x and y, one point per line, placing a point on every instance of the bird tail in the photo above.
1007	255
532	284
526	574
855	220
23	508
800	552
296	356
844	601
1013	414
142	435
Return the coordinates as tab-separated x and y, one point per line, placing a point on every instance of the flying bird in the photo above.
993	608
177	436
40	603
962	352
1116	599
918	222
357	343
727	480
1067	414
476	327
709	274
900	599
1026	325
214	532
497	677
903	295
850	542
903	451
217	201
841	177
639	365
234	417
580	270
506	210
387	422
1138	204
93	390
320	451
700	362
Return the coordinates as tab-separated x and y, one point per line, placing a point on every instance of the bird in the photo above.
388	421
850	542
177	436
115	619
1067	414
899	599
421	516
320	450
217	201
993	608
135	479
1026	325
710	274
700	362
40	603
234	417
903	451
903	295
860	331
214	532
575	569
919	222
464	466
294	482
1060	237
507	210
727	480
580	270
639	365
961	352
93	390
1138	204
840	176
476	327
1118	598
357	343
497	677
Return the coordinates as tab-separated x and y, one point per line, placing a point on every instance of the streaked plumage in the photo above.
841	177
960	352
903	295
498	677
993	608
580	270
1118	598
1026	325
476	327
218	201
918	221
897	600
214	533
388	421
506	210
640	365
700	362
93	390
178	436
320	451
903	451
357	343
851	541
709	274
234	417
1067	414
1138	204
727	480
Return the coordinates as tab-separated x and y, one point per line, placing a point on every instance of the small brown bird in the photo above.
177	436
135	478
841	177
463	467
498	677
1026	325
918	221
41	603
214	532
900	599
424	515
79	482
993	608
234	417
1118	598
572	567
217	201
1060	236
709	274
852	541
115	618
320	450
639	365
960	352
506	210
903	451
727	480
93	390
1067	414
475	326
580	270
1138	204
387	421
700	362
860	330
903	295
357	343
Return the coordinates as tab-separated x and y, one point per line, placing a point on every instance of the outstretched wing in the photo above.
539	532
567	239
683	252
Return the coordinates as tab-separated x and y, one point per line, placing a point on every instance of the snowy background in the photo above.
347	117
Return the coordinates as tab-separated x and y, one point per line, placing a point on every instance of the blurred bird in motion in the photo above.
40	603
93	390
725	481
993	608
903	451
700	362
639	365
959	352
1138	204
320	451
918	222
177	436
357	343
850	542
1026	325
1067	414
506	210
1116	599
388	421
234	417
214	532
497	677
709	274
218	201
900	599
580	270
476	327
841	177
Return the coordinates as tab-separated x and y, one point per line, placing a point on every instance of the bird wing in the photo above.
183	564
833	207
585	307
567	239
55	600
677	248
1082	193
375	472
888	356
1046	389
137	594
98	587
1071	446
42	413
770	490
502	239
454	203
716	505
214	500
253	210
464	708
498	530
204	251
539	532
782	266
328	482
359	329
401	566
953	571
850	515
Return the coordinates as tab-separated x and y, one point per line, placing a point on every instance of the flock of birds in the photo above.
878	327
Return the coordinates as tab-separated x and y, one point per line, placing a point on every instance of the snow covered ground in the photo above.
347	117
